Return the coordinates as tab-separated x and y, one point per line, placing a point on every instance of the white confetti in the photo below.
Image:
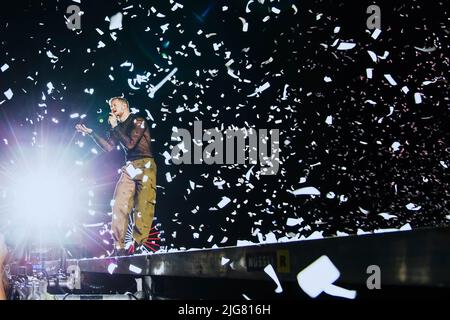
395	146
8	94
405	227
372	55
376	33
260	89
52	56
112	267
346	46
384	56
425	83
276	10
223	202
294	222
176	6
417	97
405	89
387	216
306	191
271	272
390	79
165	27
244	24
116	21
153	90
167	157
134	269
413	207
319	277
132	171
5	67
431	49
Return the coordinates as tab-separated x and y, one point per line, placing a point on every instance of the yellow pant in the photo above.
136	189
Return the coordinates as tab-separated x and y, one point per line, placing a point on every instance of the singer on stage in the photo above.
136	188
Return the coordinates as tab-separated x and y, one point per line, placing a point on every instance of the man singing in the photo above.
136	188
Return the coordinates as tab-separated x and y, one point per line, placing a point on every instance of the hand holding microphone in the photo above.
112	120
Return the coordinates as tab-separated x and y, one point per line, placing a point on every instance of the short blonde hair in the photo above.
121	99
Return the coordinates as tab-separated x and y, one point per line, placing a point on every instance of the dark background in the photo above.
367	178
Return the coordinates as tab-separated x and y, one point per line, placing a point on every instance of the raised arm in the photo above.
106	144
139	127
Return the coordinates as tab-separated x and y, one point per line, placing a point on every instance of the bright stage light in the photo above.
44	198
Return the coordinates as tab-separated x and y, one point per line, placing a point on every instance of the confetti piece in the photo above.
417	98
132	171
430	49
387	216
244	24
390	79
271	272
395	146
153	90
224	261
135	269
112	267
319	277
8	94
276	10
306	191
116	21
224	202
294	222
376	33
372	55
413	207
346	46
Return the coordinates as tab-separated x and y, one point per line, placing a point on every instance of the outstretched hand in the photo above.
83	129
